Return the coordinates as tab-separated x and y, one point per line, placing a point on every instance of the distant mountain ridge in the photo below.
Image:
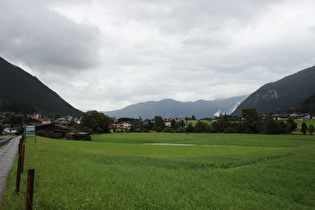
283	95
169	108
18	86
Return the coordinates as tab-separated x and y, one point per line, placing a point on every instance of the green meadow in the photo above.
169	171
307	122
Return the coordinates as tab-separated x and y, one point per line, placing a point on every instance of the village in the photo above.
68	127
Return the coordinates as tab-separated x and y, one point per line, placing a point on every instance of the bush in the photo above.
68	136
180	130
55	135
41	133
145	130
86	129
311	129
168	130
208	129
248	131
158	129
229	130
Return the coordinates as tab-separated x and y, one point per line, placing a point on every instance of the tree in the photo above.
304	128
1	128
96	121
220	123
292	125
147	125
252	120
311	129
174	124
13	119
200	127
137	125
182	123
270	125
193	117
190	128
177	124
159	123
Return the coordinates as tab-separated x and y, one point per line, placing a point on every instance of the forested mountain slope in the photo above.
283	95
22	92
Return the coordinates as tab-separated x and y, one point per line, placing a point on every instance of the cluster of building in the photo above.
68	125
126	123
60	127
303	116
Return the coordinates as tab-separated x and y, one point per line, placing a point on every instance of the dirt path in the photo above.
7	156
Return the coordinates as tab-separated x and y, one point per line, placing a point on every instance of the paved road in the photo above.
7	156
4	140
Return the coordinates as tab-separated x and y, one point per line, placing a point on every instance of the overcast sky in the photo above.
105	55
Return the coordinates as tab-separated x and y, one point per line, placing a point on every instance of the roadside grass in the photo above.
119	171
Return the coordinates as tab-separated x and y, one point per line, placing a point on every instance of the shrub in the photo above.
68	136
229	130
145	130
168	130
158	129
55	135
41	133
311	129
208	129
180	130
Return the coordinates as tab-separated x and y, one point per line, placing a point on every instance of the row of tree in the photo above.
250	122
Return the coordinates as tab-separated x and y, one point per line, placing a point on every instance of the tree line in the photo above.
250	122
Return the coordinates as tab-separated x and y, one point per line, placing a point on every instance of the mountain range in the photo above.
294	92
170	108
22	92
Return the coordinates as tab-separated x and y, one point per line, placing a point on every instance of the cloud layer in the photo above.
105	55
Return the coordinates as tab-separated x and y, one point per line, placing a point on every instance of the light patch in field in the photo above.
169	144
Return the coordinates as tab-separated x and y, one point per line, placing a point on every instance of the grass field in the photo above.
308	122
170	171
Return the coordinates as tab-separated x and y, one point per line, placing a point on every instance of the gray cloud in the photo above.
108	54
46	40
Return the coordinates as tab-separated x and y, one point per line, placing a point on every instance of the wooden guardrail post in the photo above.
18	174
20	146
23	158
30	189
20	166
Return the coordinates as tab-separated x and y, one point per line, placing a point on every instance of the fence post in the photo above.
23	157
30	189
20	146
18	174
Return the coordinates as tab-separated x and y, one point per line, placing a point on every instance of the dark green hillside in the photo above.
282	95
307	106
23	92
